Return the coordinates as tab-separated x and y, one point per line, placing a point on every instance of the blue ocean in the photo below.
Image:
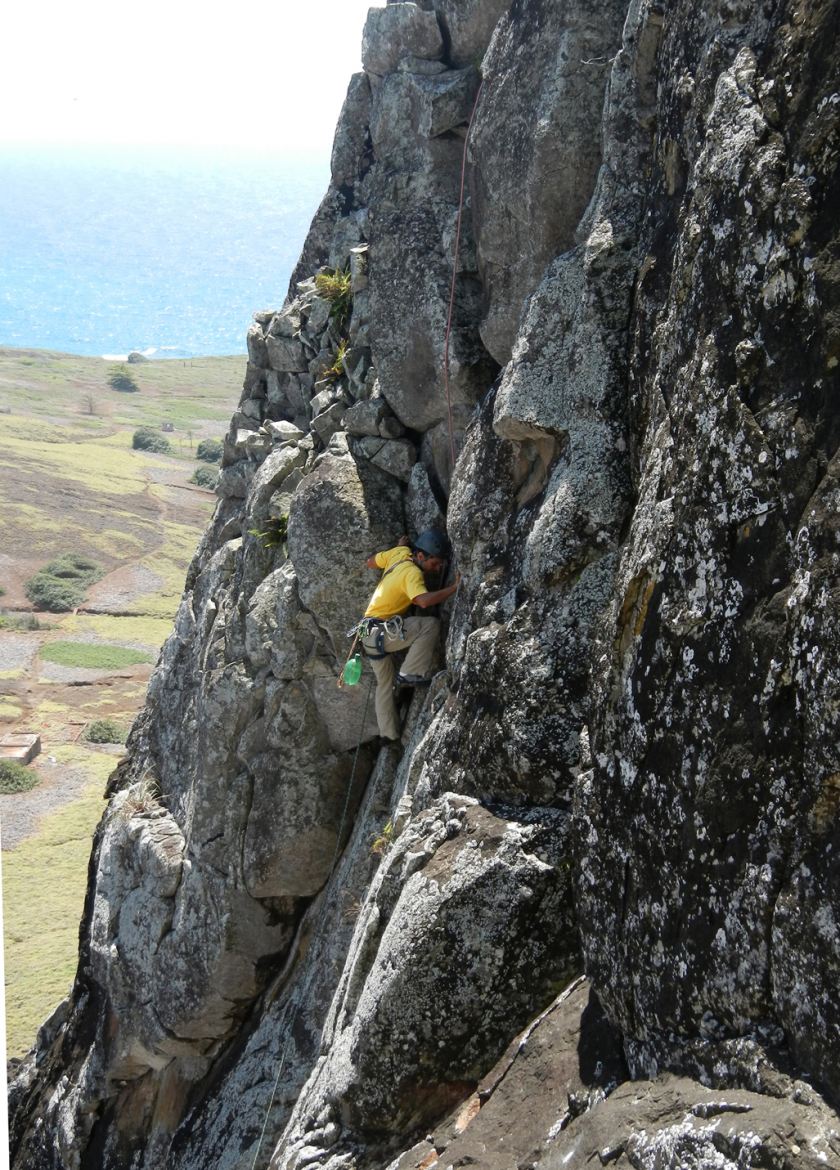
166	251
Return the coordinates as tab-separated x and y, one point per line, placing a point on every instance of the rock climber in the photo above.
401	585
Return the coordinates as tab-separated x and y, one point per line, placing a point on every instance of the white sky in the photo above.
202	72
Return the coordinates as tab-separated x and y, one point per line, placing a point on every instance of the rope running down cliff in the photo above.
294	1002
454	271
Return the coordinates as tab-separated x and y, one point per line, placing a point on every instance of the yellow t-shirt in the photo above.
395	593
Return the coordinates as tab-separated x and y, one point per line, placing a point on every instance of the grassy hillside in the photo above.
71	482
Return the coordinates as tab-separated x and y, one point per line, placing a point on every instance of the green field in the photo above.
71	482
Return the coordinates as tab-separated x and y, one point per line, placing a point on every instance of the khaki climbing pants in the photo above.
421	635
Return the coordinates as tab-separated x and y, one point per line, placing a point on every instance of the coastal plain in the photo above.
70	481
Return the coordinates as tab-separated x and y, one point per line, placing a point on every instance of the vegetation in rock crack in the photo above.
273	534
335	288
142	797
121	378
336	370
105	731
60	585
148	439
209	450
354	905
16	777
204	477
383	840
91	655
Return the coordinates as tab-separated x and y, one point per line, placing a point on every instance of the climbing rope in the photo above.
294	1002
452	290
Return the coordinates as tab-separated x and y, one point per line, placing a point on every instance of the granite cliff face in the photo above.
599	917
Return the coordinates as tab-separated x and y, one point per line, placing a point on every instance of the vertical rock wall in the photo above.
627	761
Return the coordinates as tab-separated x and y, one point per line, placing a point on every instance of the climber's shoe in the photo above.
412	680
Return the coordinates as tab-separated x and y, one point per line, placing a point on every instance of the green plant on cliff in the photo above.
16	777
337	370
60	585
121	378
273	534
335	288
140	798
383	840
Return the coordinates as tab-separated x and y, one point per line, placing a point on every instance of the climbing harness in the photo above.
294	1002
393	627
452	291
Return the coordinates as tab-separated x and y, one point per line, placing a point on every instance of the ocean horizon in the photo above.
162	250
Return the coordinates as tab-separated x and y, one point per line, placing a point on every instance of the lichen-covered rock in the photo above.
409	1037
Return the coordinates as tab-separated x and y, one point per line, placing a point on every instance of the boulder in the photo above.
391	428
397	31
397	457
283	431
257	350
285	354
286	323
459	883
273	471
468	26
329	421
365	417
340	514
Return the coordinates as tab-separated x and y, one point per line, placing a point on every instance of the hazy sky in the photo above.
178	71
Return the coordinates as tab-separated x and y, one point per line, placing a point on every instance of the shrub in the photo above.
148	439
15	777
141	797
209	450
21	621
91	655
105	731
335	288
204	477
60	585
121	378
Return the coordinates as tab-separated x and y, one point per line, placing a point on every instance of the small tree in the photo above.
204	477
209	450
15	777
121	378
148	439
89	405
104	731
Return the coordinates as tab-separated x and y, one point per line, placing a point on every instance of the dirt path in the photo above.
20	813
